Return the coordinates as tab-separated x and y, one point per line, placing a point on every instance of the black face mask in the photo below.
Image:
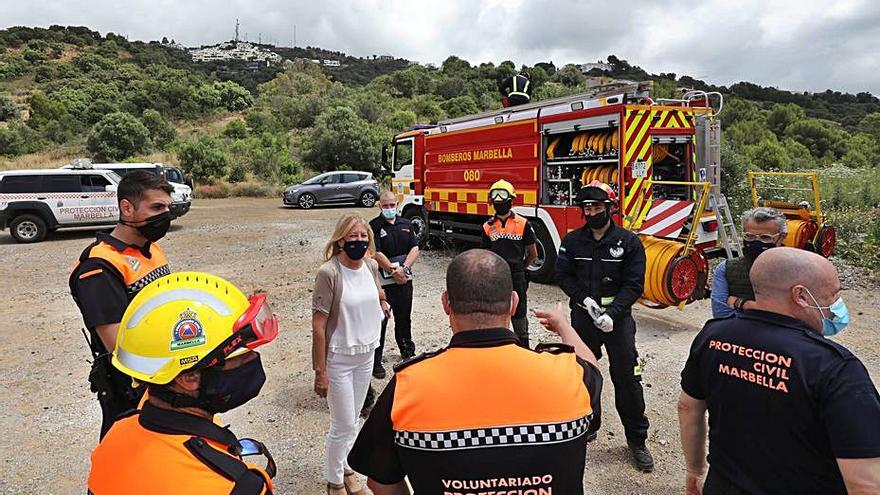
154	228
356	249
597	221
222	390
752	249
502	208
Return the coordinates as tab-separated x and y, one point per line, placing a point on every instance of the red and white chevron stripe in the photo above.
666	218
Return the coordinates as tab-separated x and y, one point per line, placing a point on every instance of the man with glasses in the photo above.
191	338
763	228
511	236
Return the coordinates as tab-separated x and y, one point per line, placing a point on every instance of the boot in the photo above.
642	457
352	484
407	349
378	370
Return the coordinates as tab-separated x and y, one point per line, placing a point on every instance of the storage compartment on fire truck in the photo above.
671	159
576	153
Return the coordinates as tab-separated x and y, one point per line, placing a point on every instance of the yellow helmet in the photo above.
187	319
501	191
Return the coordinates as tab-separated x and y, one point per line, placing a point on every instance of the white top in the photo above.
360	314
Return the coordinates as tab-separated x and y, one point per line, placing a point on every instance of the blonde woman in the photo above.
348	306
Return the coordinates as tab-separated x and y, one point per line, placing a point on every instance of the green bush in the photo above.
118	136
203	158
8	109
235	129
161	132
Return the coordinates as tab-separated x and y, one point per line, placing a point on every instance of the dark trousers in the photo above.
400	300
626	375
520	318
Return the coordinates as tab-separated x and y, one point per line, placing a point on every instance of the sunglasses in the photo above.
498	195
249	446
765	238
257	326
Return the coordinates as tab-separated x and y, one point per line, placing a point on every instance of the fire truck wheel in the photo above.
419	218
542	269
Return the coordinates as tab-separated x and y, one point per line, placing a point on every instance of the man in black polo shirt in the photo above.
484	415
111	271
397	248
790	411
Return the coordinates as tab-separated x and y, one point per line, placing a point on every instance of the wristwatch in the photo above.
407	270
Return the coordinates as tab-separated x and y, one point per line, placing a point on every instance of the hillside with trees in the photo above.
69	91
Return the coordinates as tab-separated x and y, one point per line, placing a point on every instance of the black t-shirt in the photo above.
783	403
483	415
393	239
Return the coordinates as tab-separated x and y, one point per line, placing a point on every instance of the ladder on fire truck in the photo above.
709	147
629	92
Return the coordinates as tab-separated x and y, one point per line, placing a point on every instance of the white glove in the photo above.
592	307
604	323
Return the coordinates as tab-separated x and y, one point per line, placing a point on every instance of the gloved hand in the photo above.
592	307
604	323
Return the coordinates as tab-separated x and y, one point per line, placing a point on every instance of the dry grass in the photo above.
52	158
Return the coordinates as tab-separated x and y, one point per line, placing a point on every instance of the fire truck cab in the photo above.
662	158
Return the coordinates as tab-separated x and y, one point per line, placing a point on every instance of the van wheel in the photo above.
28	228
544	267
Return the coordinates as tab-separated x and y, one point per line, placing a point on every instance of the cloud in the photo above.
784	43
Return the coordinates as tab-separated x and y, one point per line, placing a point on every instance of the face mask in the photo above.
356	249
834	326
154	228
223	390
389	213
597	221
502	208
754	248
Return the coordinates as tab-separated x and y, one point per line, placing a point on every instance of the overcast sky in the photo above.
791	44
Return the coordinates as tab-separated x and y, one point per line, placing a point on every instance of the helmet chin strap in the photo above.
207	392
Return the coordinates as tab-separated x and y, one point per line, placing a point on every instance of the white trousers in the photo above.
349	379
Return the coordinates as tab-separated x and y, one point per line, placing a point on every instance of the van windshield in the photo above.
114	176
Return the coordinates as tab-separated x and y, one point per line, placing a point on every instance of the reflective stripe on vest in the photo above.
541	396
136	269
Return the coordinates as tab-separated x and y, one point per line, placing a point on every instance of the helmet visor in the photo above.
257	326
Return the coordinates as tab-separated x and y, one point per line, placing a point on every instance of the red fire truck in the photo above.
662	157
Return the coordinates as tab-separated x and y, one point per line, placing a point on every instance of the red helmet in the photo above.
596	192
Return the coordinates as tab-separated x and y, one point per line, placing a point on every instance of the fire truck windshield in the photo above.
403	154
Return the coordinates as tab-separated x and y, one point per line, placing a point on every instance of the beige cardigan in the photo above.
328	294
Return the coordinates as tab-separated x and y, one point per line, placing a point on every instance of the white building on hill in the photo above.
234	50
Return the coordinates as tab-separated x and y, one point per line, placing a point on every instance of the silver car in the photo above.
334	188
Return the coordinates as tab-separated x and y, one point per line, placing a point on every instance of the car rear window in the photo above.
352	177
20	184
61	183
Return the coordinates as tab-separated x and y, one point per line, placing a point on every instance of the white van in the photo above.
181	198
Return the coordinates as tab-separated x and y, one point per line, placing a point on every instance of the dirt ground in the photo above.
50	421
